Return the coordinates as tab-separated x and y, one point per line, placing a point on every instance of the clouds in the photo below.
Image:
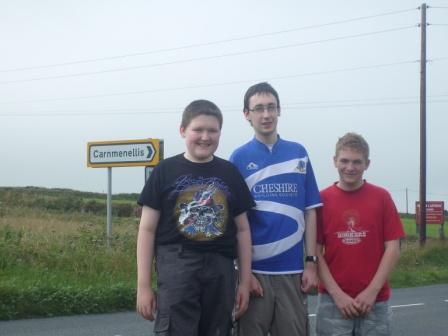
132	67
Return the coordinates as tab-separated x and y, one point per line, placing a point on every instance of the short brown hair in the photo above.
260	88
200	107
355	142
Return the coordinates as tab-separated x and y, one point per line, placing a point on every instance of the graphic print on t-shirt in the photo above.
201	207
354	234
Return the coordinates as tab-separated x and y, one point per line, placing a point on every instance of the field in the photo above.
54	259
55	262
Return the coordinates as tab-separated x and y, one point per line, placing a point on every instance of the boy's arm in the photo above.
345	303
366	299
244	263
309	277
146	300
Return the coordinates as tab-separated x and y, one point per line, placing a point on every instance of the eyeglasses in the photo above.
259	109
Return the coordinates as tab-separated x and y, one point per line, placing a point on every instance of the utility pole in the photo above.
407	202
423	127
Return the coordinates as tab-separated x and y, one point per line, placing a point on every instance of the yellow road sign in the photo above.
124	153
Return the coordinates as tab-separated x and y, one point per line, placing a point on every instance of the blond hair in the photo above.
353	141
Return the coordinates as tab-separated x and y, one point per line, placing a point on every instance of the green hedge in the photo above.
59	300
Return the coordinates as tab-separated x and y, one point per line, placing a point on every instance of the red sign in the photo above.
434	212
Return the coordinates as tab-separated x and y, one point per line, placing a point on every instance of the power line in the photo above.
162	111
341	70
437	59
412	190
368	104
416	191
297	103
91	60
370	99
87	114
137	67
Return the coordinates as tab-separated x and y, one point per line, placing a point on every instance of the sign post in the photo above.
123	153
109	205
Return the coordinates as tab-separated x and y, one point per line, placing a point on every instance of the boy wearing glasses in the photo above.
281	179
358	245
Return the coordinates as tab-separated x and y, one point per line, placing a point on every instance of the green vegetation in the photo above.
56	261
432	230
54	258
67	200
421	266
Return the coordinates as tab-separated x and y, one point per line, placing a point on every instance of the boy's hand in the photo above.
309	277
366	299
348	307
255	287
242	300
146	303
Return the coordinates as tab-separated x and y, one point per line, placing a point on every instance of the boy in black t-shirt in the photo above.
193	222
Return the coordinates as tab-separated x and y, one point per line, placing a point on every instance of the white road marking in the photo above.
396	306
408	305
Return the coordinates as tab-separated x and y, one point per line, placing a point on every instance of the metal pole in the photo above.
109	205
423	127
148	171
407	202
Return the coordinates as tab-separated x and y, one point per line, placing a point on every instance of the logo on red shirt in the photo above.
354	234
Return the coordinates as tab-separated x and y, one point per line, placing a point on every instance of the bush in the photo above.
94	207
64	300
65	200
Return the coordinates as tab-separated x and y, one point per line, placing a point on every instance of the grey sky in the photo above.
361	75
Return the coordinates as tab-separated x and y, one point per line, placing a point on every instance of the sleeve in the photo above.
242	197
235	160
393	228
150	195
232	157
312	196
320	226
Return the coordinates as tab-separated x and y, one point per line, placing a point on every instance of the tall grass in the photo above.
55	262
59	263
432	230
420	266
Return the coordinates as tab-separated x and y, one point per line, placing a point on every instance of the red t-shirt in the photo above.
352	227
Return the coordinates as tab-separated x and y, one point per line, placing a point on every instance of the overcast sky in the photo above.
78	71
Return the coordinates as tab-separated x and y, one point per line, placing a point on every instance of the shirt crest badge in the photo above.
252	166
301	165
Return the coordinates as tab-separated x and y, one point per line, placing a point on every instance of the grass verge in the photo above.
57	263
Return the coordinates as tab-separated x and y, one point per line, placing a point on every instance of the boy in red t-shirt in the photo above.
358	246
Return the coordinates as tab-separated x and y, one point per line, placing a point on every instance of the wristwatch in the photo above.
312	259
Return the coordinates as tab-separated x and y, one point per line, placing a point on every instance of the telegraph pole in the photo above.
423	127
407	202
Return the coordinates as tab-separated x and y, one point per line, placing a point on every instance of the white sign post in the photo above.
123	153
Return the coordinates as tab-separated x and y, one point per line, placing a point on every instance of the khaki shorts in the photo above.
329	320
281	311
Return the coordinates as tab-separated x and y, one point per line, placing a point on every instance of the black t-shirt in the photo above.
197	203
